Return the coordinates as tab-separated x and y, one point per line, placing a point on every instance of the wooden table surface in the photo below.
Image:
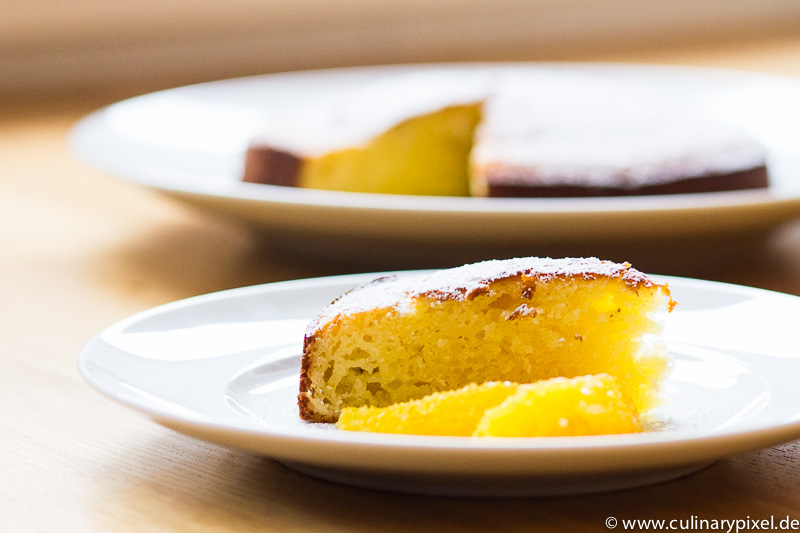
80	250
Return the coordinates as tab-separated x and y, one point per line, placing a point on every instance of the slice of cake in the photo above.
556	407
518	320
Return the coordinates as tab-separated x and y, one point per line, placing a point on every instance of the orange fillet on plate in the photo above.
585	405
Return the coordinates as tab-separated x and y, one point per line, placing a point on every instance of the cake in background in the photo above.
500	133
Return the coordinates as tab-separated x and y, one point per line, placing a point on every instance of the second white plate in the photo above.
190	143
224	368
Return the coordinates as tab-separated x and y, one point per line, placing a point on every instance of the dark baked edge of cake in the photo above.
752	178
271	166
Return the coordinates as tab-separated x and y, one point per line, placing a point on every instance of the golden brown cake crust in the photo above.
460	284
466	282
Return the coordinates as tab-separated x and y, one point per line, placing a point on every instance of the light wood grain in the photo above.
80	250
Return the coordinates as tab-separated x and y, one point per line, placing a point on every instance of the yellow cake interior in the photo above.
519	331
580	406
427	154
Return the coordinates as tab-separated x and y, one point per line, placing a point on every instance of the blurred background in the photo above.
50	47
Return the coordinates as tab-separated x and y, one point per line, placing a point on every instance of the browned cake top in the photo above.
465	282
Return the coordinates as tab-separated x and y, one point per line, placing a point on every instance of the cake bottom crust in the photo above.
755	178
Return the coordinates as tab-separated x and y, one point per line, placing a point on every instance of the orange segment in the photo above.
455	413
586	405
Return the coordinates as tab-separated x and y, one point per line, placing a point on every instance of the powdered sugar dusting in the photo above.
396	293
581	129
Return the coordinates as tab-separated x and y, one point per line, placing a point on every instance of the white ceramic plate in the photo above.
224	367
190	143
